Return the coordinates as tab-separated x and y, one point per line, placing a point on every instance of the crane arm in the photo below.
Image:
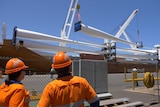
124	26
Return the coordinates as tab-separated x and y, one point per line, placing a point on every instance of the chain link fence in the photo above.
35	84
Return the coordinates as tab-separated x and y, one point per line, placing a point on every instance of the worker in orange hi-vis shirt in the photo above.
12	91
67	90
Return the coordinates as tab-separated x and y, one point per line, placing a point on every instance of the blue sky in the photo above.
48	16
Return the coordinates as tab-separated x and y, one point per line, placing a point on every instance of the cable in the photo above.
78	16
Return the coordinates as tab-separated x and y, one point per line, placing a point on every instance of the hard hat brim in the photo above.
57	66
15	70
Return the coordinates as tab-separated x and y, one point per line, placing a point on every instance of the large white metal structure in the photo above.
133	52
37	41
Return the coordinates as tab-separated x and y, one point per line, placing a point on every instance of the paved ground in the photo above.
116	86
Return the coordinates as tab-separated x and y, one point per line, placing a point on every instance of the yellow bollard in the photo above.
134	76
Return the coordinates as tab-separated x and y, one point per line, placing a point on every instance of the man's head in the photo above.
61	62
15	69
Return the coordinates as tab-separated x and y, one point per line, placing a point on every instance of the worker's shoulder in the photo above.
17	86
79	78
12	88
68	80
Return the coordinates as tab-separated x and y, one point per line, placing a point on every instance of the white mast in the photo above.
3	32
65	32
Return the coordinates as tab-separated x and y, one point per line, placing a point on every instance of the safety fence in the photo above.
35	84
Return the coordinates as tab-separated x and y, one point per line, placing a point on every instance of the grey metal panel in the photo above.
95	71
101	76
87	71
75	67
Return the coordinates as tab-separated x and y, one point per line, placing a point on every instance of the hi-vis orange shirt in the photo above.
13	95
67	91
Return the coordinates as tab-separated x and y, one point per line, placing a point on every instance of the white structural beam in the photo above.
51	52
141	61
49	48
128	39
91	31
21	33
146	57
136	50
36	42
45	47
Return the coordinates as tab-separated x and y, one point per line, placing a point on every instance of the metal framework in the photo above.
40	45
65	33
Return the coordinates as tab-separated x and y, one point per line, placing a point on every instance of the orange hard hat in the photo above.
61	60
14	65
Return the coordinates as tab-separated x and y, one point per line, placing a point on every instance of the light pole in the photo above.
158	50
